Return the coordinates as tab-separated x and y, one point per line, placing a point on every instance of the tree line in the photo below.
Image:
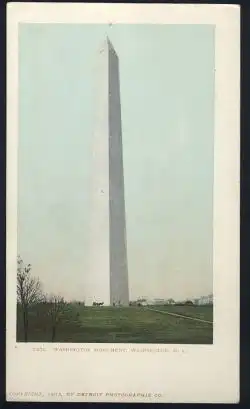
30	293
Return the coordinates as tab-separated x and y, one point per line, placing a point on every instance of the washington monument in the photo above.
108	263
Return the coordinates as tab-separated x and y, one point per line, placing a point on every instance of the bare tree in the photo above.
29	292
57	308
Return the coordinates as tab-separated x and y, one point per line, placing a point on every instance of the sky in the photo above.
167	104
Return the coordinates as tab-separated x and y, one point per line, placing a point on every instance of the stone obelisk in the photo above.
108	271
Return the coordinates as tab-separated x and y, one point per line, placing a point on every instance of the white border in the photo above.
195	373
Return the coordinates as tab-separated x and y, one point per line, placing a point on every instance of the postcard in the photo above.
123	152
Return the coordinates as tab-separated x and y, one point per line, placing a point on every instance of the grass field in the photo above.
121	325
202	312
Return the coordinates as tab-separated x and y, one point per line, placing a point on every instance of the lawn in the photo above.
121	325
204	312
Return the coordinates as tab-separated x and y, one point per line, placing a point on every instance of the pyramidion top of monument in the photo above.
108	46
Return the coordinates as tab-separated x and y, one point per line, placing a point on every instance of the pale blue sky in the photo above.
167	96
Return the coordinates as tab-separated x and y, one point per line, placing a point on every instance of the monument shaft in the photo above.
108	207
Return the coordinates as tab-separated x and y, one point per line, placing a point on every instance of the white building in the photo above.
159	301
204	300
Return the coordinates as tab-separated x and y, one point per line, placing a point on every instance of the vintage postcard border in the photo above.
48	372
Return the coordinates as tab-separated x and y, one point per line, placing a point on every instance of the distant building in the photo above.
159	301
139	302
205	300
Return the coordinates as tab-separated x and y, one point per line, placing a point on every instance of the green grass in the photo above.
121	325
204	312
